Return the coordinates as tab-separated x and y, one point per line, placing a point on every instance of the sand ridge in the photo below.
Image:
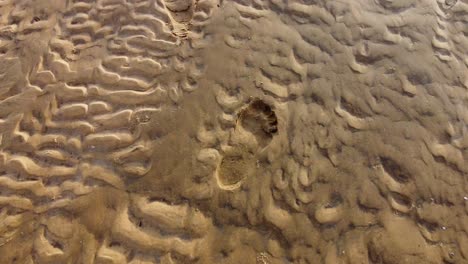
206	131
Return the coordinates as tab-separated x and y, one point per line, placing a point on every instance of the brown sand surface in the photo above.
235	131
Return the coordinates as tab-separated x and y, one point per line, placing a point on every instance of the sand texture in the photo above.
235	131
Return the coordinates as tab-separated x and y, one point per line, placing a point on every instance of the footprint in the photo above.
256	122
259	119
236	165
180	13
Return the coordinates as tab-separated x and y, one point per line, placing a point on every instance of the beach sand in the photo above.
242	131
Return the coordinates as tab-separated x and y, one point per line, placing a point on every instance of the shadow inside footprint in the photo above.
259	119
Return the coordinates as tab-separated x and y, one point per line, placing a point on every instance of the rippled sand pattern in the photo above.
235	131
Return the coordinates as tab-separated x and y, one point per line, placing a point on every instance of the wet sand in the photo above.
243	131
